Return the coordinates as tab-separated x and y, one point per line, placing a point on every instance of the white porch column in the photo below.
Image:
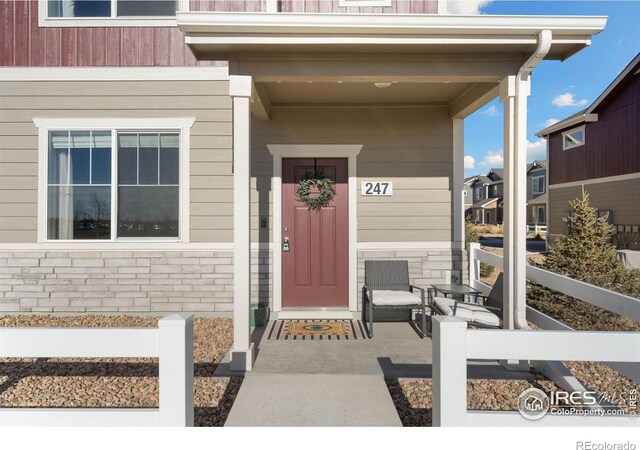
458	182
242	353
514	93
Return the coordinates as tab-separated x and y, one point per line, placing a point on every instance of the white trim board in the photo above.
422	245
310	151
212	73
625	177
109	246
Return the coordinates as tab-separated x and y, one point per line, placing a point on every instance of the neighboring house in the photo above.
599	148
537	193
467	192
487	198
150	158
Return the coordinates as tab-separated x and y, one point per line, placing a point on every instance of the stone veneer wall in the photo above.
125	281
426	267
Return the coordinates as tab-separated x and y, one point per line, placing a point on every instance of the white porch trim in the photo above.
413	245
242	354
313	151
611	179
457	181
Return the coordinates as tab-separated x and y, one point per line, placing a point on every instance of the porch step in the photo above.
313	400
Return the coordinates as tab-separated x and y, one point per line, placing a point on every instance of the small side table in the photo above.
456	290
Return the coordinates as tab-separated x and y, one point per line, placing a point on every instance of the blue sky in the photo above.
574	83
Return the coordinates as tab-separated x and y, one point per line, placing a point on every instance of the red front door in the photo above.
315	270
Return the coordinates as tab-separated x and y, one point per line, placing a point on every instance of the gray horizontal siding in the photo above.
211	141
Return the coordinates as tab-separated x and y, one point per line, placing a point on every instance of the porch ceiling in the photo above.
353	93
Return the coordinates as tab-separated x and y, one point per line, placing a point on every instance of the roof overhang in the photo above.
220	33
576	119
588	115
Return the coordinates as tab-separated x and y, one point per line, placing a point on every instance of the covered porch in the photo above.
321	86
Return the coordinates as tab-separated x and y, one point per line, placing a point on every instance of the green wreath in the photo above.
324	184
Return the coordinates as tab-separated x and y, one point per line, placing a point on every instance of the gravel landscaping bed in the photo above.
116	382
413	398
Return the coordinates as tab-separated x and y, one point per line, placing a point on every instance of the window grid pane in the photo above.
76	208
149	206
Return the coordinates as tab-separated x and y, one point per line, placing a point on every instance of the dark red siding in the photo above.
612	144
24	43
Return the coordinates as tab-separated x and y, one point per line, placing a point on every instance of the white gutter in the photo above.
554	370
545	39
578	28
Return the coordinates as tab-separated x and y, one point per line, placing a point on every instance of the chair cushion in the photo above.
394	298
468	311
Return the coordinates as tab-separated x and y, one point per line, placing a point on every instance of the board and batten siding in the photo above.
211	177
612	144
411	146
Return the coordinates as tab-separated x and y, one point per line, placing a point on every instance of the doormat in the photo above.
317	330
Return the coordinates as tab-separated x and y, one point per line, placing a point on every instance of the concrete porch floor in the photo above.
336	383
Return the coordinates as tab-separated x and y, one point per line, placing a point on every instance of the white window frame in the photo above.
536	215
114	21
534	184
181	125
573	130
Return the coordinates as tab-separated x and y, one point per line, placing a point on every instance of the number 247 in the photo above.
376	188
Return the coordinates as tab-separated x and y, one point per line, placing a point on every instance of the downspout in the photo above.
544	45
554	370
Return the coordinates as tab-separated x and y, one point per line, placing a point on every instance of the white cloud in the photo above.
469	7
492	159
568	99
551	121
491	111
469	162
536	150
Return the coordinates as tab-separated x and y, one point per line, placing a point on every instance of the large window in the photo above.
538	184
111	8
99	178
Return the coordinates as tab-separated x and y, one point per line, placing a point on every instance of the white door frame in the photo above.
314	151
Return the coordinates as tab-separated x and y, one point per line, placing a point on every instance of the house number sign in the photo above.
384	188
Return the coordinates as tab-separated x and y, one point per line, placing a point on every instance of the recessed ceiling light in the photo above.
382	85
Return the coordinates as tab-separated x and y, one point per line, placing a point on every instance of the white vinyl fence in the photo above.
171	342
615	302
454	344
535	229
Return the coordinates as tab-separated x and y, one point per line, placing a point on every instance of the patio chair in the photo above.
485	315
387	287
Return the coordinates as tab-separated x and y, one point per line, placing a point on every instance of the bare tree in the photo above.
100	211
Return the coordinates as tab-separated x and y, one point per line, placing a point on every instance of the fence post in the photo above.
176	370
474	264
449	372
